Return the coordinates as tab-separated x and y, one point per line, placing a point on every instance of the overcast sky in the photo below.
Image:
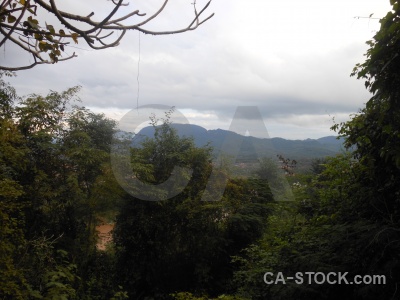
292	59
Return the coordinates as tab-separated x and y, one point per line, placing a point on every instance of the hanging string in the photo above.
137	78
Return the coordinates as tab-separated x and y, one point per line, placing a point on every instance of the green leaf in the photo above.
50	28
394	27
33	23
38	36
49	37
43	46
11	19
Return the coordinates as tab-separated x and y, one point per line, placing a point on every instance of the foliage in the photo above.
318	165
346	216
190	296
184	244
55	179
268	169
375	131
319	232
12	162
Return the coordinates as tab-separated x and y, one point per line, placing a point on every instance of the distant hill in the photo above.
294	149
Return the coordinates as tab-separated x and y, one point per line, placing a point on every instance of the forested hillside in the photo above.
57	185
298	149
339	237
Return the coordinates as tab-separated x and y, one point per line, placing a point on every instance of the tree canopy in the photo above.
346	216
56	181
184	243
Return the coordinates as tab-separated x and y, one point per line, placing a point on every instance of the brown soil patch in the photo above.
104	234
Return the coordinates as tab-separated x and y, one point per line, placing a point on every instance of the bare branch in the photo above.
13	69
136	12
62	20
123	4
47	39
153	16
198	14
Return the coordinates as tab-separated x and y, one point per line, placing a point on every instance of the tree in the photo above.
375	131
152	236
375	135
21	24
13	161
183	243
347	217
55	180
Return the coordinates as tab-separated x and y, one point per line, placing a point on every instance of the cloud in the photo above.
291	59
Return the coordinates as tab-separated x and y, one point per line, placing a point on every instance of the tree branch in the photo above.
48	40
7	36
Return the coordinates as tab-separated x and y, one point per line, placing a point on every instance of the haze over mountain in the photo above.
252	147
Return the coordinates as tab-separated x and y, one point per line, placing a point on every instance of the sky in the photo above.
291	59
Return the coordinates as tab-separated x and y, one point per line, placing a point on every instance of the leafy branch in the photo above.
19	23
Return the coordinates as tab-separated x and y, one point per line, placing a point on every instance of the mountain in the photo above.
295	149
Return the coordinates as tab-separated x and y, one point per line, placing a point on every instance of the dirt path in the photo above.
105	236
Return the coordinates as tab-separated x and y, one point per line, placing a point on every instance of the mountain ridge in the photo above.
251	146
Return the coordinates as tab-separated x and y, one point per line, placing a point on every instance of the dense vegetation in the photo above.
56	182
